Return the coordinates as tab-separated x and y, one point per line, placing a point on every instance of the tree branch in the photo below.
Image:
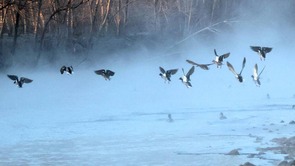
209	28
8	4
68	6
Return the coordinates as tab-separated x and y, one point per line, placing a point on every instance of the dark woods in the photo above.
31	30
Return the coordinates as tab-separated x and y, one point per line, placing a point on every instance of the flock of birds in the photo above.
262	51
106	74
166	74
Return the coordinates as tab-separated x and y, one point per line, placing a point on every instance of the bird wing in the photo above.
162	70
172	71
203	66
261	71
231	68
255	48
191	62
215	52
62	69
255	71
225	55
12	77
99	72
190	72
25	80
110	73
266	49
243	65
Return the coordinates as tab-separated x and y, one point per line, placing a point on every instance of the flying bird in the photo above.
256	76
186	77
19	82
166	75
219	58
69	70
238	76
261	51
106	74
202	66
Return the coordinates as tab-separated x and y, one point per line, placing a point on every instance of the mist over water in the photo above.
86	111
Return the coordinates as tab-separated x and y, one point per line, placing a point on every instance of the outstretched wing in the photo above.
266	49
25	80
191	62
243	65
190	72
172	71
255	48
202	66
12	77
100	72
261	71
231	68
225	55
215	52
110	73
162	70
220	59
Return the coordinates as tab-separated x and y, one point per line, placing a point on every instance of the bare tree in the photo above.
69	5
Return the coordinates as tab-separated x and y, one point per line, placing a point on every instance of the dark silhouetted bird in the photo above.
256	76
219	59
19	82
186	77
202	66
166	75
68	70
261	51
106	74
238	76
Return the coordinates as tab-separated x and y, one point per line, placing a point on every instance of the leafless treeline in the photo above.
48	24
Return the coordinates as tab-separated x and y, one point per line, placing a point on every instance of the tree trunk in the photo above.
118	18
4	22
38	20
17	18
126	12
70	20
104	21
94	18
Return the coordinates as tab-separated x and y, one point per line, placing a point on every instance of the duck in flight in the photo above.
19	82
237	75
219	58
106	74
256	76
261	51
186	77
166	75
69	70
202	66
